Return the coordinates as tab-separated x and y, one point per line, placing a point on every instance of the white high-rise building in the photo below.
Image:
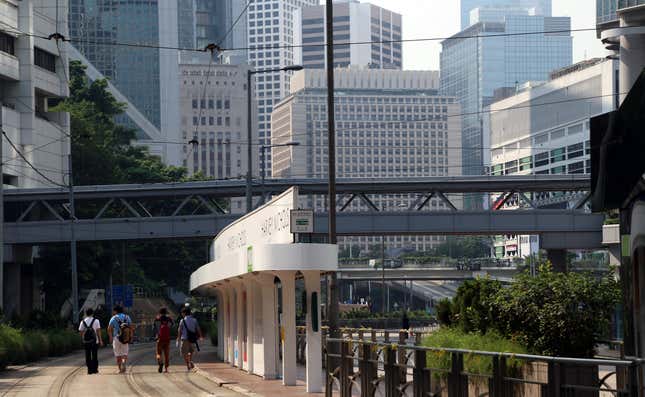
33	71
546	131
354	22
271	31
389	124
214	119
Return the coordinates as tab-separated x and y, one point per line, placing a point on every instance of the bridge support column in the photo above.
289	365
558	259
269	351
313	320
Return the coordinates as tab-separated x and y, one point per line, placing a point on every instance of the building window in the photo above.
7	43
44	60
542	159
576	150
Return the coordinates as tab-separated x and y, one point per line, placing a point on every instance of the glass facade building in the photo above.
134	71
606	9
472	69
542	7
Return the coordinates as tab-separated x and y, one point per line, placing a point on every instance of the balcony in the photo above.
9	67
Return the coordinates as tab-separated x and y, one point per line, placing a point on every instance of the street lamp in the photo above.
249	73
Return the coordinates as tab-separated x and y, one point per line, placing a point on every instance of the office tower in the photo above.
354	22
473	68
540	7
33	71
546	131
147	77
271	25
390	124
606	10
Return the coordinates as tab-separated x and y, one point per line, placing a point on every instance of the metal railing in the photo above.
366	367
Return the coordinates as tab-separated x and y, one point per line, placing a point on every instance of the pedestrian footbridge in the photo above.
250	257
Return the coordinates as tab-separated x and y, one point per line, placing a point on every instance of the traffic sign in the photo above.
302	221
120	295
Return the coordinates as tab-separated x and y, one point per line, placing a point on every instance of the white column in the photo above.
250	286
269	327
221	333
240	326
314	347
230	324
289	365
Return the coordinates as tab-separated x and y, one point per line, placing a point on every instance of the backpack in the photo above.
125	332
89	337
164	329
190	335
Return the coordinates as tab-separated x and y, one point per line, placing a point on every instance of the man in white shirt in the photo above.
90	329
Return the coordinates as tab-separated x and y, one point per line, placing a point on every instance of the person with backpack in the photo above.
90	329
162	325
188	335
120	332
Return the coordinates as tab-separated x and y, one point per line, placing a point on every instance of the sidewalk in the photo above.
250	385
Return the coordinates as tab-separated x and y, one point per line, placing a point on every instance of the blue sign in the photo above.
120	295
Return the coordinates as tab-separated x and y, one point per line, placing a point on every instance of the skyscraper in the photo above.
542	7
270	35
353	22
473	68
147	77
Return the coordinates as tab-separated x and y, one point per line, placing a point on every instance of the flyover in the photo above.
425	274
196	210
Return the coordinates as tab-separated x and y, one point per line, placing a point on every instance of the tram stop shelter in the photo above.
248	257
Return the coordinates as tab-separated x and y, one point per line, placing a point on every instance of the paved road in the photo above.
67	376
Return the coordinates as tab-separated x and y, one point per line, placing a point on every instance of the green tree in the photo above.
102	154
473	308
555	313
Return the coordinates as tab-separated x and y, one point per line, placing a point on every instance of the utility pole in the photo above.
72	243
249	142
1	216
331	165
383	308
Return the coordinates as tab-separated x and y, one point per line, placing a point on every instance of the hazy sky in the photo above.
440	18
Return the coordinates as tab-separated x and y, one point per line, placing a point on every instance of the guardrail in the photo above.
367	368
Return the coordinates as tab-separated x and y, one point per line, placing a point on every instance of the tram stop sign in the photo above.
302	221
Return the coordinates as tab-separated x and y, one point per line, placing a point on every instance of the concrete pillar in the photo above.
230	324
221	310
289	364
240	327
632	51
314	347
250	286
269	359
558	259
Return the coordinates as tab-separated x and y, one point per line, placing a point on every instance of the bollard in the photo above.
402	358
420	377
392	373
554	380
368	370
454	379
346	370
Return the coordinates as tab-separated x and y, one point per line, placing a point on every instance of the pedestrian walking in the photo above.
90	329
188	336
120	332
162	326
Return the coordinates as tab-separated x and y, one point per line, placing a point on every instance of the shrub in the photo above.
36	345
453	338
444	312
11	344
558	314
473	307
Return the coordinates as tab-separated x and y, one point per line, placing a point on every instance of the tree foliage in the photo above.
102	154
553	313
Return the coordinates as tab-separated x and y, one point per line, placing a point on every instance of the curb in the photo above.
222	383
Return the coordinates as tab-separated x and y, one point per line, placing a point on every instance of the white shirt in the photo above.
88	320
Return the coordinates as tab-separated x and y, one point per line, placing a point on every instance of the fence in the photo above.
368	367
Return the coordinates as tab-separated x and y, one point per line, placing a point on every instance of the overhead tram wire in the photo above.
28	162
291	46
